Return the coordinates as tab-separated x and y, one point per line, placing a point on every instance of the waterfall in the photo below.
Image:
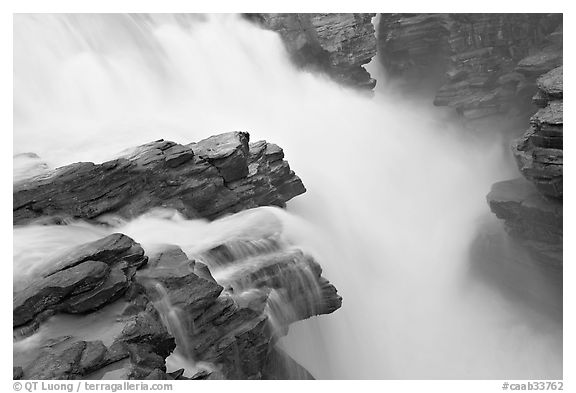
395	189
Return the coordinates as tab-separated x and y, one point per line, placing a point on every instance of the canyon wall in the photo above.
483	65
495	71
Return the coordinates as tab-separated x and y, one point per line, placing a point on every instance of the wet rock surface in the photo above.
336	44
219	175
82	280
176	306
539	152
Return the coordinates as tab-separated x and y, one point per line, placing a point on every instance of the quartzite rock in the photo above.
219	175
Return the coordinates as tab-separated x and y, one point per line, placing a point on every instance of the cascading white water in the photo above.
395	191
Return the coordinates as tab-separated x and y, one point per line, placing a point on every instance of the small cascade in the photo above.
289	278
172	320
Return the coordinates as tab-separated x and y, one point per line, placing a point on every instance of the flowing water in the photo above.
395	189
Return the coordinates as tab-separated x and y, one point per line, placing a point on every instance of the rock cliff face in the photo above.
336	44
532	208
482	65
219	175
491	68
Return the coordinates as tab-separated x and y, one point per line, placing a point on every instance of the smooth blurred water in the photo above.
395	189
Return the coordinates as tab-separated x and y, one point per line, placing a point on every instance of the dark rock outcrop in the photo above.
530	218
219	175
234	323
539	152
69	360
175	304
82	280
336	44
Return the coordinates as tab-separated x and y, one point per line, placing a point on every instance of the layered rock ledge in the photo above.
172	305
336	44
219	175
532	219
539	152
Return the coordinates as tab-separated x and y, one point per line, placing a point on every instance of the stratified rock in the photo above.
110	249
476	63
111	289
81	280
532	208
550	84
539	152
531	218
337	44
68	360
292	279
485	78
262	288
216	176
177	305
540	62
227	152
50	291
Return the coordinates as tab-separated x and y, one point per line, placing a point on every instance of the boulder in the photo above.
217	176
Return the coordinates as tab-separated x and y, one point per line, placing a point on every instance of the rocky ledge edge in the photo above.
219	175
167	302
